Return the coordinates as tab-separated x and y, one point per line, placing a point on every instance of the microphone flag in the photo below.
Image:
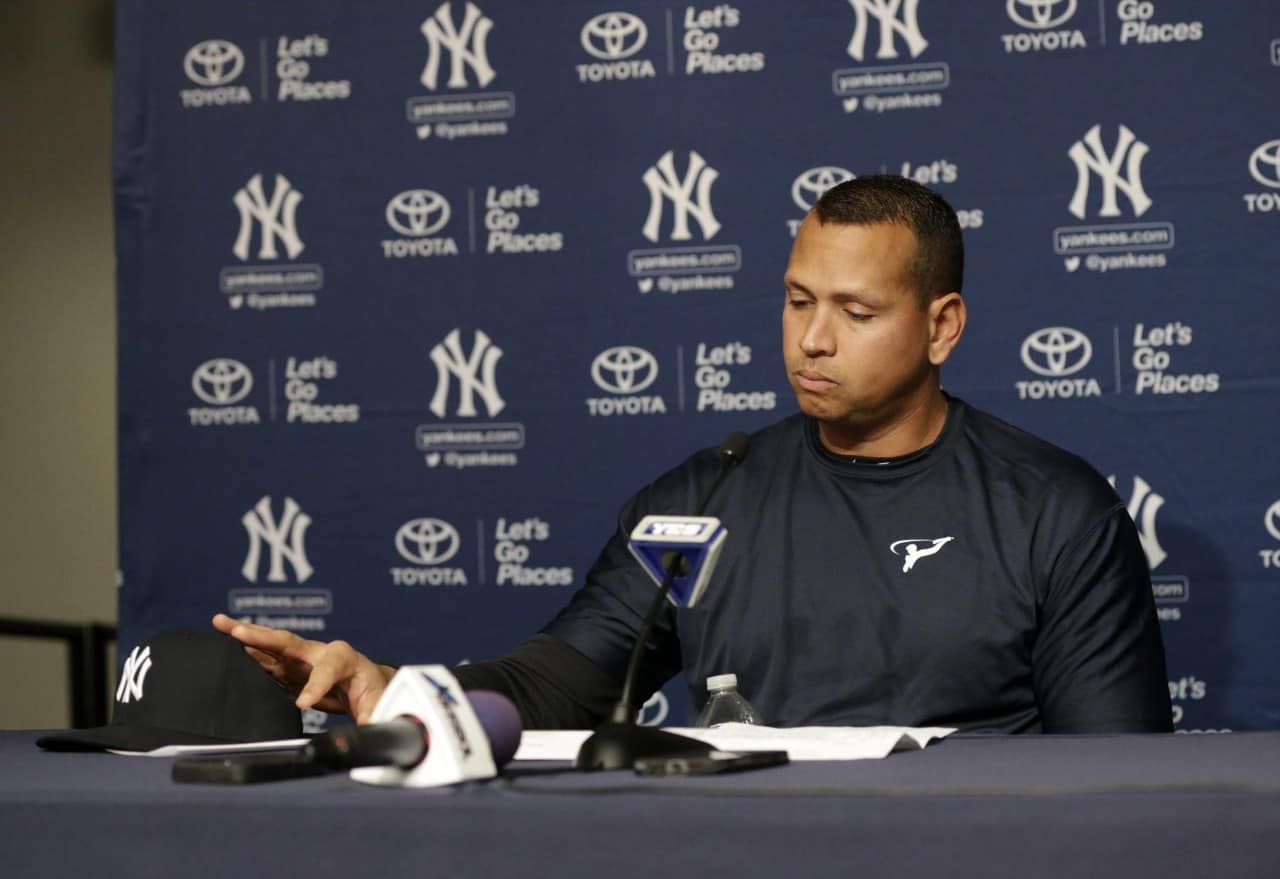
657	540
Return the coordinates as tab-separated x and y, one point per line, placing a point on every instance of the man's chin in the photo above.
839	415
818	407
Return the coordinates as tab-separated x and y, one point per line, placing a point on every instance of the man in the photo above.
896	556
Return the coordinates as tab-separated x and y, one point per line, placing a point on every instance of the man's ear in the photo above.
947	316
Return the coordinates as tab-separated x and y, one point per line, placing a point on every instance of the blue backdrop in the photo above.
414	294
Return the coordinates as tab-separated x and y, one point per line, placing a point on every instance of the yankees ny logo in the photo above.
662	181
1144	503
276	216
886	12
1089	155
440	32
285	538
476	374
133	675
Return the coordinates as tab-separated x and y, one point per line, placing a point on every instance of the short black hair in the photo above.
937	267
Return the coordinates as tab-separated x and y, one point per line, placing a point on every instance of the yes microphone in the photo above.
670	548
691	543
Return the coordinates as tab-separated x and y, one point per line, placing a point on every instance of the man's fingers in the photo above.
366	689
331	677
348	677
223	623
336	663
270	662
278	641
292	675
330	705
362	706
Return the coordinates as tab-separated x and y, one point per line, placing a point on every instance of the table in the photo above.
1034	806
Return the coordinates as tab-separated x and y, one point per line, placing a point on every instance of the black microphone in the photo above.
620	741
402	742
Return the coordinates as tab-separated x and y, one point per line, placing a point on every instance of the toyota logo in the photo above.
1042	17
612	36
222	382
1056	351
1264	164
1272	520
809	186
213	62
625	369
418	212
427	541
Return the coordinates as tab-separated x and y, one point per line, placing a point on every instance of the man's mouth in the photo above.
812	380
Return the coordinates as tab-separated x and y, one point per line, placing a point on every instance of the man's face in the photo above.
854	338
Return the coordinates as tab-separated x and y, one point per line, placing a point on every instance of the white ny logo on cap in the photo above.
133	674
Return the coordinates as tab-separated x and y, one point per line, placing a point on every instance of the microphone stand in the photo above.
619	742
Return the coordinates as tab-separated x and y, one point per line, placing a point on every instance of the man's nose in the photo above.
819	338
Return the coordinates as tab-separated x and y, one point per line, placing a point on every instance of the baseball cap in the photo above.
188	687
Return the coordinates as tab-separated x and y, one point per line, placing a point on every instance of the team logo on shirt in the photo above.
913	549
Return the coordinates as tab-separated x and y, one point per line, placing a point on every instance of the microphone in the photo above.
620	741
732	451
688	544
405	741
470	734
399	745
691	544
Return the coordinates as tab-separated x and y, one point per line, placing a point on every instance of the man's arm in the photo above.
568	676
1098	662
552	685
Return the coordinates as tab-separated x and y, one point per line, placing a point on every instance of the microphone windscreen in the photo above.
500	720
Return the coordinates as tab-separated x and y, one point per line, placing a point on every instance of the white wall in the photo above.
57	342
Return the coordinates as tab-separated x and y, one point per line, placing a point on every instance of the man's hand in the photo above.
333	677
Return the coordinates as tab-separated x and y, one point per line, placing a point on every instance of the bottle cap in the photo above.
722	682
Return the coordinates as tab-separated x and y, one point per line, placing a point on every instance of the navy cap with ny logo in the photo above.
188	687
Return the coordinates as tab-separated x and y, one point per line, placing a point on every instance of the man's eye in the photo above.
797	303
859	316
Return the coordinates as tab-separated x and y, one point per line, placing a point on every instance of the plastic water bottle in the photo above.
725	704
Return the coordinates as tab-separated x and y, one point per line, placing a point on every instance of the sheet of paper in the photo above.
550	744
800	743
186	750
